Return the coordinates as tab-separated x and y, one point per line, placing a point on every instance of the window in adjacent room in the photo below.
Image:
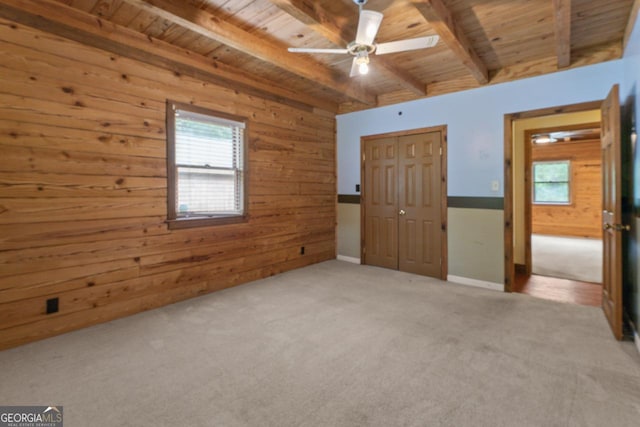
552	182
206	166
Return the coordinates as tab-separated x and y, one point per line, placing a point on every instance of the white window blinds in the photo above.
209	165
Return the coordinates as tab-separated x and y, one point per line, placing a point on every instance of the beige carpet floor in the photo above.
571	258
337	344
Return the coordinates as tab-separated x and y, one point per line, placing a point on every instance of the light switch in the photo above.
495	185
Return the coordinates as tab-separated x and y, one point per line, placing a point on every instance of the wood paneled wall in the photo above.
584	216
83	188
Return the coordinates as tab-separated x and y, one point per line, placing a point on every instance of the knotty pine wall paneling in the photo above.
583	217
83	188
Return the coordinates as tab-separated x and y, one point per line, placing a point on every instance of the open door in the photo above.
612	212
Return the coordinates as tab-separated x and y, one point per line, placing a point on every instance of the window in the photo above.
206	166
551	182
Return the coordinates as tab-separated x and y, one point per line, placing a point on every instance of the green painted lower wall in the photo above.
475	240
476	244
349	230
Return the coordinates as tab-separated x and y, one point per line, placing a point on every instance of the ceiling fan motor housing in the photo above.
356	48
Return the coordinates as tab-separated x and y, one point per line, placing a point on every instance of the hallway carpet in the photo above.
337	344
570	258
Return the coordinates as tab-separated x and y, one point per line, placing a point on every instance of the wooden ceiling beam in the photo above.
318	19
313	15
441	19
562	30
631	23
208	25
64	21
581	57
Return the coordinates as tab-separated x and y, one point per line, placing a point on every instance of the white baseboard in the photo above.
477	283
636	339
350	259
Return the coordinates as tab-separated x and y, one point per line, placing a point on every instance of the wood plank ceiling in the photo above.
481	41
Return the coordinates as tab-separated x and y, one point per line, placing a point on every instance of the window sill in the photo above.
199	221
560	204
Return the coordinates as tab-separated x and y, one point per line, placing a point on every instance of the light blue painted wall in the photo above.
630	97
475	123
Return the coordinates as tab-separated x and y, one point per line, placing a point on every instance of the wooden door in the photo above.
611	213
404	202
381	203
419	219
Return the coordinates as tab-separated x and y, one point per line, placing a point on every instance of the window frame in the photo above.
569	182
175	222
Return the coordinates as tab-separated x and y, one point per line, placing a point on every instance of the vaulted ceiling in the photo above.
481	41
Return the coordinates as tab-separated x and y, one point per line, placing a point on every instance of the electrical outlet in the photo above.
495	185
358	187
301	250
52	305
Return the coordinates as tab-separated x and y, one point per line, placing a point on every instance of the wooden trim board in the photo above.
464	202
496	203
349	198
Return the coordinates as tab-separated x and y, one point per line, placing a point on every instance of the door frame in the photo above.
443	189
509	119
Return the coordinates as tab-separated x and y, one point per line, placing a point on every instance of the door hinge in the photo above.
441	150
364	251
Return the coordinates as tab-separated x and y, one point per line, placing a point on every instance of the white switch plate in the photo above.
495	185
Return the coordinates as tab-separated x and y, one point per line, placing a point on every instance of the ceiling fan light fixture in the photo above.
544	139
362	60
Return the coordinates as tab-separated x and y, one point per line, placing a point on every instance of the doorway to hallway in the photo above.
555	200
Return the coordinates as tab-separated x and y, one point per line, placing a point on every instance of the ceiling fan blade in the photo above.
409	44
354	68
313	50
368	26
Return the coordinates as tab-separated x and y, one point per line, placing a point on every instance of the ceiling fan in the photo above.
363	45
